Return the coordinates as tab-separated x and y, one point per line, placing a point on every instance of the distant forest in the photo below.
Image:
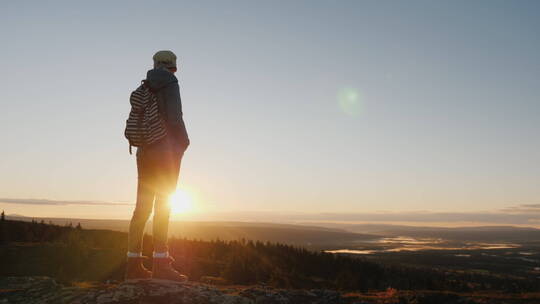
71	253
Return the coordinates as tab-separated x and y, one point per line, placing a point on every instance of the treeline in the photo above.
75	254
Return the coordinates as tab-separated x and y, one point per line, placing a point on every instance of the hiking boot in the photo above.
163	270
135	269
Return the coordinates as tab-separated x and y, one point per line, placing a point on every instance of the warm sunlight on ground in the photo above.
180	202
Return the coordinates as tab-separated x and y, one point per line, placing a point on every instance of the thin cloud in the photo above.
535	206
30	201
523	208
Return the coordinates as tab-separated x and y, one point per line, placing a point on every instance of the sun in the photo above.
180	202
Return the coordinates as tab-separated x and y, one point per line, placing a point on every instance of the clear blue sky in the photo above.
291	106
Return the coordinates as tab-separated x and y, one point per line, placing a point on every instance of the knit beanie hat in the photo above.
165	59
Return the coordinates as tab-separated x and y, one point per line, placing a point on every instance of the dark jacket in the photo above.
165	86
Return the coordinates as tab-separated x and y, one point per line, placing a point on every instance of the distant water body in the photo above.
402	243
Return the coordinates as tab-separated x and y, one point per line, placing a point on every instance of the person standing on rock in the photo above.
158	168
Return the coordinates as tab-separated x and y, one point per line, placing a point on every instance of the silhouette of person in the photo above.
158	168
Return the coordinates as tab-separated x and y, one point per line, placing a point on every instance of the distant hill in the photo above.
314	235
307	236
480	233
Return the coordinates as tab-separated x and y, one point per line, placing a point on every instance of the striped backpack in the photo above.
145	125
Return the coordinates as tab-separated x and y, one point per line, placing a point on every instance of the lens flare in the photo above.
180	202
350	101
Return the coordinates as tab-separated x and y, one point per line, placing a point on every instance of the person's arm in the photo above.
173	113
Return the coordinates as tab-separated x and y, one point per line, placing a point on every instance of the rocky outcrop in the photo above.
44	290
34	290
30	290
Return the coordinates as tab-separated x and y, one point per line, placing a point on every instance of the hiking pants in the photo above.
157	177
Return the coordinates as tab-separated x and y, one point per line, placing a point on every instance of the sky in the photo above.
314	107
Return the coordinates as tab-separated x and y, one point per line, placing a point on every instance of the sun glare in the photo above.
180	202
